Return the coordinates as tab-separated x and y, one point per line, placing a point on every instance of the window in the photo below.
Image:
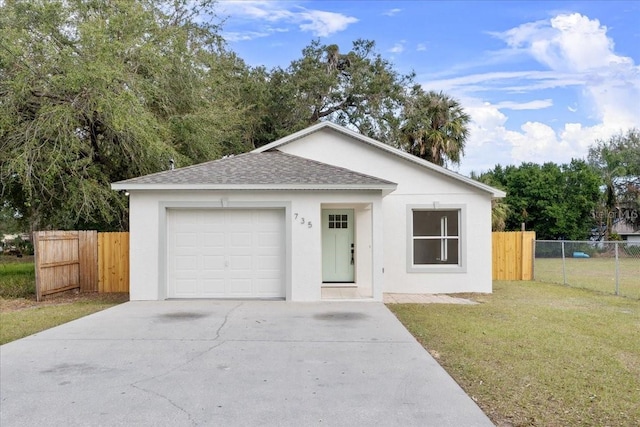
436	237
338	221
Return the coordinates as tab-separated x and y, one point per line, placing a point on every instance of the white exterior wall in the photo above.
303	269
416	186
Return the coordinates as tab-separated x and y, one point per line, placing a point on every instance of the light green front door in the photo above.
338	252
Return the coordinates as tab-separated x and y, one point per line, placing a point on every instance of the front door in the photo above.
338	252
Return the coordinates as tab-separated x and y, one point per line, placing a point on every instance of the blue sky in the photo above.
541	80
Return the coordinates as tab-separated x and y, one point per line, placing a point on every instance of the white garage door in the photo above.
225	253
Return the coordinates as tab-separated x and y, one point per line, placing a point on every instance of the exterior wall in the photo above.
416	186
303	243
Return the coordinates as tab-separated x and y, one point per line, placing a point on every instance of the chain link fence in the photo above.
610	267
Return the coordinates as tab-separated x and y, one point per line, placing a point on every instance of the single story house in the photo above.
324	212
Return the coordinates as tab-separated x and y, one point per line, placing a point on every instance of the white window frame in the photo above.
462	244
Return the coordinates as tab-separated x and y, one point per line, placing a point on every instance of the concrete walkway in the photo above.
228	363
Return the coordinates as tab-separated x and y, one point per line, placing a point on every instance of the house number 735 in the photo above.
295	217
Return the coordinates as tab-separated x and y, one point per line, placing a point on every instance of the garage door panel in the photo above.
241	263
186	240
240	287
187	288
213	263
213	240
268	263
265	287
225	253
187	263
213	288
241	239
269	240
189	222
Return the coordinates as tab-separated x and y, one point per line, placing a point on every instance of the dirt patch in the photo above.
8	305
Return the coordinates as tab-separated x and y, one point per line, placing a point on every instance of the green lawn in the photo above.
16	324
539	354
592	273
17	279
21	315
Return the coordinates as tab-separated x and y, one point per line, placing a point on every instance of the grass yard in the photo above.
536	354
21	315
592	273
17	277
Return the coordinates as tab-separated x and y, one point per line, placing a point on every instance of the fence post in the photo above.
564	270
533	259
617	270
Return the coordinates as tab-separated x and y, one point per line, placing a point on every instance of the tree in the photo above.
557	202
435	127
617	160
95	92
359	89
499	208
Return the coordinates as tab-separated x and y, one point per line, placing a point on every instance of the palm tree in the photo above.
435	127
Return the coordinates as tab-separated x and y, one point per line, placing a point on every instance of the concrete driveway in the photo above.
225	363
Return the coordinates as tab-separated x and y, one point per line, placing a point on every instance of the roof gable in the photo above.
389	150
257	170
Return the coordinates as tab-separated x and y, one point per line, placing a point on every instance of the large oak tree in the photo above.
92	92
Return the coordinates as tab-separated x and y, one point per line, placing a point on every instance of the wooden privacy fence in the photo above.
65	260
85	260
513	255
113	262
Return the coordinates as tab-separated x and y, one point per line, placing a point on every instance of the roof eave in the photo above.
124	186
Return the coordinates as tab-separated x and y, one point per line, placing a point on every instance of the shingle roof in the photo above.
260	169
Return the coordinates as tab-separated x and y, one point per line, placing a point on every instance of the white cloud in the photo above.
574	51
318	22
392	12
566	43
421	47
398	47
491	142
237	36
531	105
323	24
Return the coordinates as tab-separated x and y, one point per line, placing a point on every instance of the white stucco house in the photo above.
321	213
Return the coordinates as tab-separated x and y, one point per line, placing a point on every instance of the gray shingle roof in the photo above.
269	167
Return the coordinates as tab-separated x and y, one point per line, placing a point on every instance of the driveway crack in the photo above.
171	402
187	362
226	318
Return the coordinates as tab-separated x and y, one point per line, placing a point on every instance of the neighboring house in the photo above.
626	232
321	209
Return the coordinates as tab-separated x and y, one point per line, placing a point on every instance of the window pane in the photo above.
344	225
331	217
344	217
452	223
428	223
452	252
430	251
